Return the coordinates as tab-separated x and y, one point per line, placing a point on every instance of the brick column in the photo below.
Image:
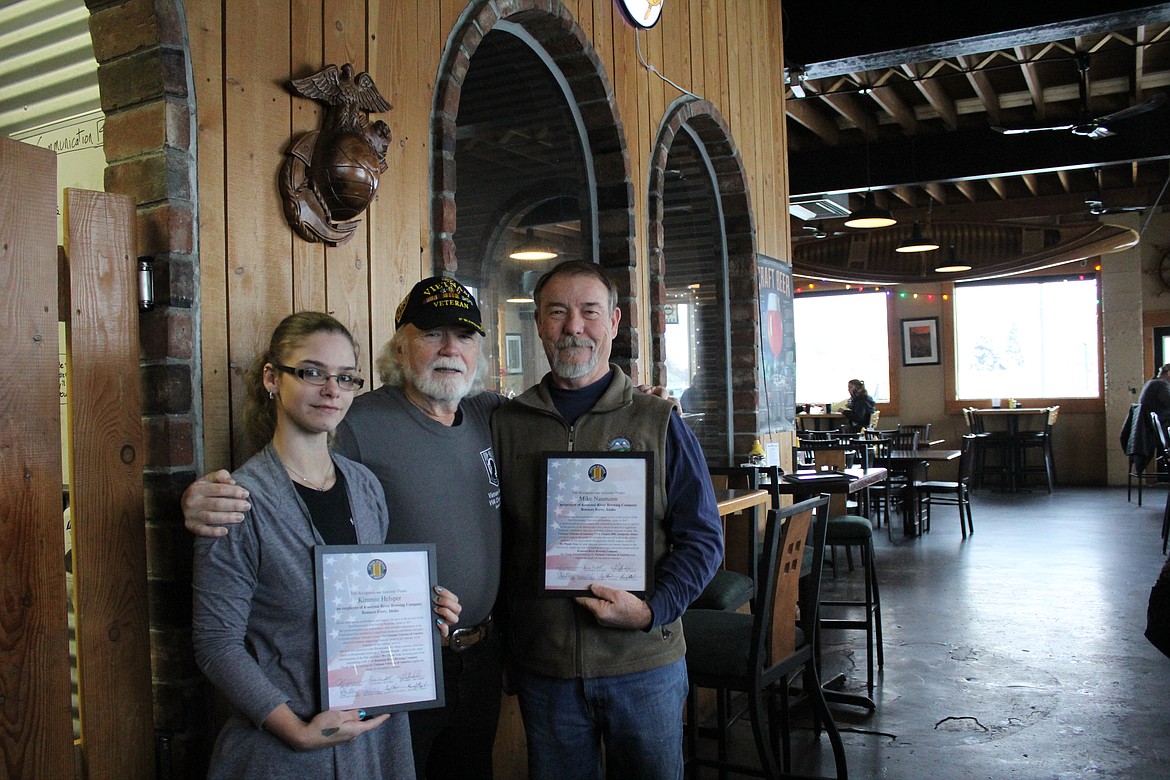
144	81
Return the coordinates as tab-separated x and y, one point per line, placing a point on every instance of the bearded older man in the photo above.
428	441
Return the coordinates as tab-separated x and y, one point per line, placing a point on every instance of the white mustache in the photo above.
567	342
449	363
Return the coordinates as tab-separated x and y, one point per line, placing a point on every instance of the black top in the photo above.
859	411
330	511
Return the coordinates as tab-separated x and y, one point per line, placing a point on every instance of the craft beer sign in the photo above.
641	13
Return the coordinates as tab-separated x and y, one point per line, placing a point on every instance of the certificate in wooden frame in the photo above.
920	342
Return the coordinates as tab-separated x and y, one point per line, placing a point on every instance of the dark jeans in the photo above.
455	742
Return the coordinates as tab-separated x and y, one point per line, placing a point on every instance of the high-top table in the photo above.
1007	423
838	484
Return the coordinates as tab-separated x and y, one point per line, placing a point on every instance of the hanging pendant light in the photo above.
531	249
952	265
917	242
870	216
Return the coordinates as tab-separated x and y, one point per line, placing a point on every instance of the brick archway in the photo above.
702	119
553	26
147	96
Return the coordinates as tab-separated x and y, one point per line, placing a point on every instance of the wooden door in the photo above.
36	734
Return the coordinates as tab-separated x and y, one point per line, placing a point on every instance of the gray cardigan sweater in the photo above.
255	629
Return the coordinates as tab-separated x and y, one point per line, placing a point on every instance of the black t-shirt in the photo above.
330	511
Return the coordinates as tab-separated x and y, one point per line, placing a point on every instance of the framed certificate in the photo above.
598	509
376	640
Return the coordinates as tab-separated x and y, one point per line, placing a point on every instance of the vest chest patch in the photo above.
619	444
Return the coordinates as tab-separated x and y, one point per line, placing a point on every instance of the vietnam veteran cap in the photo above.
437	301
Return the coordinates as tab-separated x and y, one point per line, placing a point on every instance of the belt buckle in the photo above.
463	638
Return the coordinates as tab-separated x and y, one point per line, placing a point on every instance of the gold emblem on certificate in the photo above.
376	637
598	510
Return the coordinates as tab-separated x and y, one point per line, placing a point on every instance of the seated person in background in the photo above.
859	408
1155	397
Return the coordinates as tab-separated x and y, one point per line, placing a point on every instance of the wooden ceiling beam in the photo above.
1032	80
975	153
932	90
804	113
893	105
998	186
1030	181
850	107
817	67
1065	180
936	191
981	83
906	194
967	190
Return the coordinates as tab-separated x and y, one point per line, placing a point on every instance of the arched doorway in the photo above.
527	141
703	291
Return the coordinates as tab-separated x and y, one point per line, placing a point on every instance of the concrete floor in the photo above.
1015	654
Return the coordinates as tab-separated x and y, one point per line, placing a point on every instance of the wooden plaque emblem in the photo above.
330	176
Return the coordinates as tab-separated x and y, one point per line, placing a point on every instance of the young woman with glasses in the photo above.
254	621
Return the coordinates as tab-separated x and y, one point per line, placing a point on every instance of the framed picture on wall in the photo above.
513	357
920	342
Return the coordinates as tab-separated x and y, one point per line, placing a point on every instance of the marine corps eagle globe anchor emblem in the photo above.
330	176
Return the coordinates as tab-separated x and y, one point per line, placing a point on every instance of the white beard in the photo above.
440	386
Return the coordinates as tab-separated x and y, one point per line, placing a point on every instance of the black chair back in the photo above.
967	457
904	440
923	430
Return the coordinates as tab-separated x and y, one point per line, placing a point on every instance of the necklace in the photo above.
319	488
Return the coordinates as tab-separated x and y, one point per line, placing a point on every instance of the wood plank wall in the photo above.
254	271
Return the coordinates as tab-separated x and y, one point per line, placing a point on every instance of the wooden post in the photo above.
109	530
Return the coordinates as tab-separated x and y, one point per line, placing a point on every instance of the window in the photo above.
841	337
1034	339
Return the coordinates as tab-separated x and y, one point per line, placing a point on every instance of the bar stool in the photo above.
1040	439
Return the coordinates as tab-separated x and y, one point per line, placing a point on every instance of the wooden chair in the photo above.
760	653
957	493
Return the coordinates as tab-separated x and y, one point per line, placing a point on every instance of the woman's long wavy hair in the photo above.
259	409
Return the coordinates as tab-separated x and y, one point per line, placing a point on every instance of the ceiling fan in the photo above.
818	231
1095	202
1087	125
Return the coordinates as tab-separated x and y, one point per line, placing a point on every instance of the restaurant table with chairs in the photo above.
909	462
1012	431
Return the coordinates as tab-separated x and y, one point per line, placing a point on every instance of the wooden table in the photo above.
819	421
838	484
732	501
740	511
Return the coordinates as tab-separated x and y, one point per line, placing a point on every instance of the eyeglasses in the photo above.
315	376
